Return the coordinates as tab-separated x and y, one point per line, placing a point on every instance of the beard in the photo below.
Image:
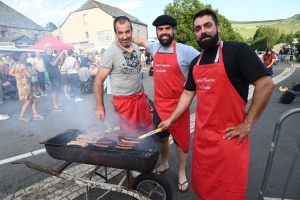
166	42
125	42
207	44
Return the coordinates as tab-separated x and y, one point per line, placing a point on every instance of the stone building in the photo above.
90	27
19	30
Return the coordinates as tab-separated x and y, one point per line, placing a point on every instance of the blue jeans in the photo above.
74	78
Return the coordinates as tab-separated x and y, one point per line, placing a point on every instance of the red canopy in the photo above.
56	44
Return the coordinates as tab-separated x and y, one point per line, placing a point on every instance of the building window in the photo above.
84	18
3	33
87	35
35	37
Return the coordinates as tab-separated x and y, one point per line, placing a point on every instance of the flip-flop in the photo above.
160	172
181	184
283	89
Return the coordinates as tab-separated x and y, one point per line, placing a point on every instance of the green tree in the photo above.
282	38
289	38
269	34
238	37
51	26
183	11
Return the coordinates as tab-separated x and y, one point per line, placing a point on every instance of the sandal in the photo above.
38	117
23	119
182	184
159	172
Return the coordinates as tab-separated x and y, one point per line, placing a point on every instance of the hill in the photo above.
248	29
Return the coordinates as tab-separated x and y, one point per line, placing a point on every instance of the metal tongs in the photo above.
149	133
109	127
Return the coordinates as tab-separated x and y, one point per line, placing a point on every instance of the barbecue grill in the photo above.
141	157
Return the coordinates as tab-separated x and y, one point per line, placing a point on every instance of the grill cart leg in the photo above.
272	154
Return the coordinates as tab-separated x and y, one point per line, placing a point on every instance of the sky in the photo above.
56	11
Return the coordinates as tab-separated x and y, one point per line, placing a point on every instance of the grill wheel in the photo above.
153	186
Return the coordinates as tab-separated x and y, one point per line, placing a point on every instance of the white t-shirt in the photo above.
69	64
29	60
143	57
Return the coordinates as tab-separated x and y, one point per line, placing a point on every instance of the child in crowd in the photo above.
33	78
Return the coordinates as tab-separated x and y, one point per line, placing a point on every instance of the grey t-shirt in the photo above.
125	69
185	54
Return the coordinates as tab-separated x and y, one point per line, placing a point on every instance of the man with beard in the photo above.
121	62
220	77
171	62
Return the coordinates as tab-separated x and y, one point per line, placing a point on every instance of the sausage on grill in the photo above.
99	145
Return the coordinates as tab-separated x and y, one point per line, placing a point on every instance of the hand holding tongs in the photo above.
150	133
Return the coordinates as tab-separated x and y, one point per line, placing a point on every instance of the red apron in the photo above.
219	167
168	86
134	113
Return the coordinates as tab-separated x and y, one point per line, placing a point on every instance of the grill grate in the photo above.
146	146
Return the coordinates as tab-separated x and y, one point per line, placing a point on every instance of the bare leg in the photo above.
25	107
66	89
34	106
54	99
164	151
181	156
40	90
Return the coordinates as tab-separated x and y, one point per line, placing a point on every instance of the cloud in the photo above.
127	6
56	11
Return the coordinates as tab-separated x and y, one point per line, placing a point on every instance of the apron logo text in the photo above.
204	87
204	79
161	70
161	65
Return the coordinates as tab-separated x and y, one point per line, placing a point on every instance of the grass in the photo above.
248	29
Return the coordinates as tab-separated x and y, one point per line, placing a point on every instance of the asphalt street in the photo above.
20	138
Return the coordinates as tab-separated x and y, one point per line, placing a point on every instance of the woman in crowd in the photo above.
268	60
65	81
25	88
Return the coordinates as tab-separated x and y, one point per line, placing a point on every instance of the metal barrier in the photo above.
272	154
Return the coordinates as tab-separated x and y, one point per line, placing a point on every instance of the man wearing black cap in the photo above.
172	60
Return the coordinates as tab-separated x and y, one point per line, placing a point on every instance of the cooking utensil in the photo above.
149	133
108	126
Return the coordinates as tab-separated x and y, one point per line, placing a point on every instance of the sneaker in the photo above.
38	96
62	106
4	117
38	117
78	99
44	95
57	109
23	119
68	97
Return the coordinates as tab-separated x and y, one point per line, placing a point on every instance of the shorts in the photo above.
156	122
65	79
55	84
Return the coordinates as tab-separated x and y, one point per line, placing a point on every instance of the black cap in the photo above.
163	20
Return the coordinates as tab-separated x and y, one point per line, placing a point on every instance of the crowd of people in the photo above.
25	77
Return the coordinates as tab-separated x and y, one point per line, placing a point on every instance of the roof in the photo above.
10	38
112	11
12	18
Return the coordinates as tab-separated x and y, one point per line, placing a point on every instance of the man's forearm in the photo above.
184	102
140	42
261	97
98	90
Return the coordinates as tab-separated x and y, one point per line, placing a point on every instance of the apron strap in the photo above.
218	57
